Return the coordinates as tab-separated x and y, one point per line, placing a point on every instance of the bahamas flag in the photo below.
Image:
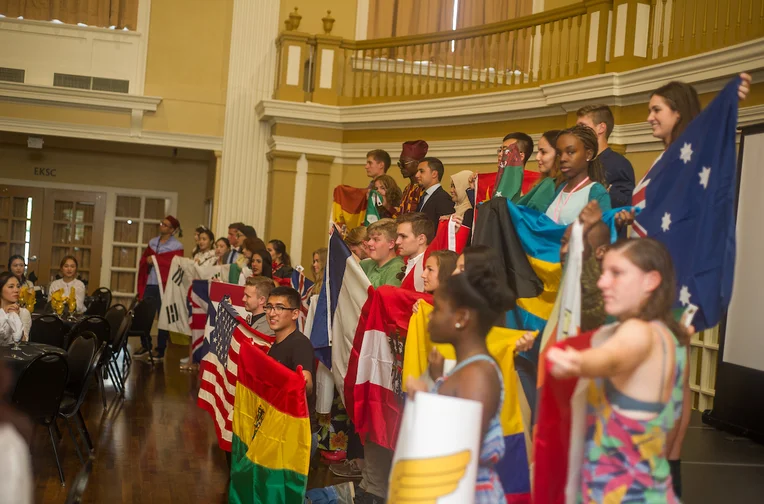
513	468
271	432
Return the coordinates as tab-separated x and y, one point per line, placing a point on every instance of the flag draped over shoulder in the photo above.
373	385
529	180
513	468
688	204
338	309
270	453
349	207
219	370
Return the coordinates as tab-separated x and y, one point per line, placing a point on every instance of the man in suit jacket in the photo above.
435	202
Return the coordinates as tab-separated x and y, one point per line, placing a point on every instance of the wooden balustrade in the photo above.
555	45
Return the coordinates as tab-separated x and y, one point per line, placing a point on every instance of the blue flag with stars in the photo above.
220	339
687	202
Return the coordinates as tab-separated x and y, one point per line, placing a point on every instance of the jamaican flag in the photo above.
270	448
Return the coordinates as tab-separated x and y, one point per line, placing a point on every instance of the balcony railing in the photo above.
592	37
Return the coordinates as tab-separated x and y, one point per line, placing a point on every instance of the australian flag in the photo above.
687	202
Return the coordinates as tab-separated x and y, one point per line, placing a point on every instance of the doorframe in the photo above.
111	209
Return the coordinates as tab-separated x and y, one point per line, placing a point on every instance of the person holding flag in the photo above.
637	367
152	276
465	308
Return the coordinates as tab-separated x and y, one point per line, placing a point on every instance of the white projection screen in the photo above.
744	338
738	401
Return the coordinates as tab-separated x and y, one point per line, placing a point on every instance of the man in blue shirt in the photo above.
618	170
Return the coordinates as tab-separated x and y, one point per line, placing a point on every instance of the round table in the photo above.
24	356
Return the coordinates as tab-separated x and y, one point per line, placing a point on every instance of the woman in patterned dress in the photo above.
465	308
637	372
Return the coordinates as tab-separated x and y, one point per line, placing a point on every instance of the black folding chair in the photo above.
80	361
100	327
39	391
114	316
120	346
143	318
101	302
50	330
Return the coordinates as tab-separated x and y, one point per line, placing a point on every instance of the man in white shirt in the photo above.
435	201
415	232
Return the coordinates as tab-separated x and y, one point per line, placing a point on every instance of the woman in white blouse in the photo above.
15	321
205	252
68	270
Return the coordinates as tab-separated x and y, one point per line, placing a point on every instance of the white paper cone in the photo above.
437	451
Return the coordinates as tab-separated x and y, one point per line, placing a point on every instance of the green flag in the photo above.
509	179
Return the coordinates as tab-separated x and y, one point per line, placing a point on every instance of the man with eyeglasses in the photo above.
292	348
413	152
162	248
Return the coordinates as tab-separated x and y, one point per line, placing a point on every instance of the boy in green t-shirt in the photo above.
383	265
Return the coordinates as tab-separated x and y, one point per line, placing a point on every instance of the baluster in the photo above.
662	29
482	49
379	71
429	64
540	48
409	61
705	23
750	15
560	49
716	24
551	50
672	22
462	64
578	40
513	62
651	30
568	61
531	55
362	90
694	16
681	29
727	22
473	63
739	10
761	13
445	67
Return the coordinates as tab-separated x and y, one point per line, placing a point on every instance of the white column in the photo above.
362	20
298	210
243	184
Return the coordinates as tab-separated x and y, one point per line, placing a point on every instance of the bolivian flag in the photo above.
271	432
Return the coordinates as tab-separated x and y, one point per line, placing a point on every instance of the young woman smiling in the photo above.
543	192
583	172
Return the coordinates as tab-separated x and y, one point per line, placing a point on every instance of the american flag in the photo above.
687	202
219	368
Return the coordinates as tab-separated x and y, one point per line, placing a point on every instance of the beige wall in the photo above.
153	169
343	11
187	65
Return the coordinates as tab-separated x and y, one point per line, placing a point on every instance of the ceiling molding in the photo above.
79	98
709	72
636	137
111	134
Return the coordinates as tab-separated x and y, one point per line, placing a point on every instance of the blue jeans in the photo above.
162	335
326	495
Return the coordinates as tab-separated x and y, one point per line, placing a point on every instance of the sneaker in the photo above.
141	353
158	357
184	361
345	492
367	498
347	469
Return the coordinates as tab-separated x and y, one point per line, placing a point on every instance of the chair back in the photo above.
124	331
79	359
40	387
50	330
101	302
115	315
143	315
97	325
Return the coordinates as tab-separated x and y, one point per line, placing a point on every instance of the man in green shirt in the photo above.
383	267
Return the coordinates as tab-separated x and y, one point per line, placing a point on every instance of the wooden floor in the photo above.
154	446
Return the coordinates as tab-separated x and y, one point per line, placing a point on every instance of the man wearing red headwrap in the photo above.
413	152
153	270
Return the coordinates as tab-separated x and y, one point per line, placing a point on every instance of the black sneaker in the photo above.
140	351
158	357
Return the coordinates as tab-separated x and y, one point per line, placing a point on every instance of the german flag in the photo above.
271	432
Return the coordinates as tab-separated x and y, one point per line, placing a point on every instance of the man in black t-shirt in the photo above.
292	348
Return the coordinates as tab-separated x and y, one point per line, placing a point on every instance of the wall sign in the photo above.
44	172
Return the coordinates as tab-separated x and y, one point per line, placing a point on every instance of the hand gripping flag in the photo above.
220	368
270	453
688	204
